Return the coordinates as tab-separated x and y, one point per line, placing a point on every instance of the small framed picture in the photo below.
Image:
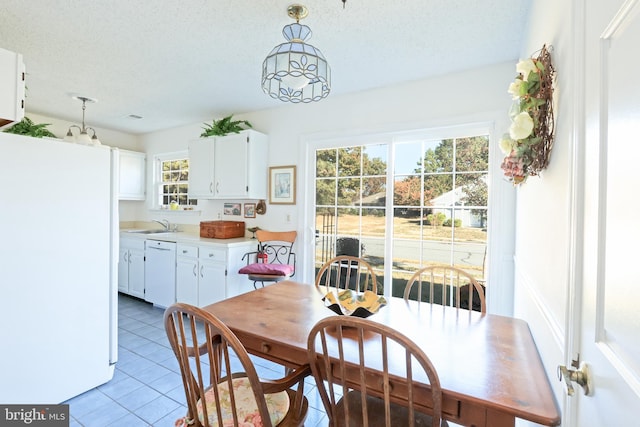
282	185
233	209
249	210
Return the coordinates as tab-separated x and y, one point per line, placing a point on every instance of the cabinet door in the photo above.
212	282
11	87
136	273
132	175
123	270
231	166
201	164
187	280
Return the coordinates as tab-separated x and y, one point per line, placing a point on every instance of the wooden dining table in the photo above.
489	367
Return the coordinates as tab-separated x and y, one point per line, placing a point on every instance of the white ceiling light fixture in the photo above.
296	71
83	136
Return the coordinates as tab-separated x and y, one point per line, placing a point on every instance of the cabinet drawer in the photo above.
131	243
213	254
187	250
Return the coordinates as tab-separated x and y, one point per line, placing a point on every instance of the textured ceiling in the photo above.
177	62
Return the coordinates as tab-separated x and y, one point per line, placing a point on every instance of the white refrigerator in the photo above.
58	271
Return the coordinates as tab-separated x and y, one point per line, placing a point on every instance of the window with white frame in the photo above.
172	179
405	202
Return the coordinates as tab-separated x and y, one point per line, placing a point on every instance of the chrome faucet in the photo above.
165	224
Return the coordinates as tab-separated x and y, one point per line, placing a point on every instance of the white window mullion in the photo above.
388	237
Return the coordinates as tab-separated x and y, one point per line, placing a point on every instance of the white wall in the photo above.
473	96
543	227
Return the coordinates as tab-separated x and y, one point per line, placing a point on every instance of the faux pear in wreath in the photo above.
224	126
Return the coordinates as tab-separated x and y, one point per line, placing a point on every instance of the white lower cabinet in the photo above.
187	273
212	275
204	273
131	267
209	273
200	274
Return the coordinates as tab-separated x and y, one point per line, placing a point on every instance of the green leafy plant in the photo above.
224	126
27	127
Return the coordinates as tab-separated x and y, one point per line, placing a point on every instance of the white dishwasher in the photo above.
160	273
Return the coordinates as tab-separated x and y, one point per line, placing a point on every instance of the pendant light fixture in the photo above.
295	71
83	136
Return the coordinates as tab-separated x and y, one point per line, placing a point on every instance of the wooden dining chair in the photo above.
346	272
274	259
220	381
361	367
446	285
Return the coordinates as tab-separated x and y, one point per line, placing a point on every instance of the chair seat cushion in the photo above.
269	269
248	415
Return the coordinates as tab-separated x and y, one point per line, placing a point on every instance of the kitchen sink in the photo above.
149	231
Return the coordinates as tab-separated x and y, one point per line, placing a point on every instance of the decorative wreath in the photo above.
528	144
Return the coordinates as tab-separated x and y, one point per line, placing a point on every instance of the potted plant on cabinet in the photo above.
224	126
27	127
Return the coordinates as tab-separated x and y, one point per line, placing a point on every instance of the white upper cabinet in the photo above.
229	167
201	168
132	175
240	166
11	87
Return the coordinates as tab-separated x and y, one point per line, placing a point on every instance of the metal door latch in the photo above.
581	375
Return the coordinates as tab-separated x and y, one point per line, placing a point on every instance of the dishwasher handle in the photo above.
158	249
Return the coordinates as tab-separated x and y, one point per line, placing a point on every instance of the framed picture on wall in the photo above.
282	185
233	209
249	210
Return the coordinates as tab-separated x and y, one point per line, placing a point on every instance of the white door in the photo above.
608	319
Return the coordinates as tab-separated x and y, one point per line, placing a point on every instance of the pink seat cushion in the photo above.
271	269
246	406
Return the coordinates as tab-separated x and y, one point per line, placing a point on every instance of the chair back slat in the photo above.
375	366
346	272
446	285
206	351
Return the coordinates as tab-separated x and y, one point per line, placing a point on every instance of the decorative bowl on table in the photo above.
351	303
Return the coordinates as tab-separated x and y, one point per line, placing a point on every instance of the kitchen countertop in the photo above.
187	237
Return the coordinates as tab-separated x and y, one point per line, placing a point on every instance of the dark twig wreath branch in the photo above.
530	139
